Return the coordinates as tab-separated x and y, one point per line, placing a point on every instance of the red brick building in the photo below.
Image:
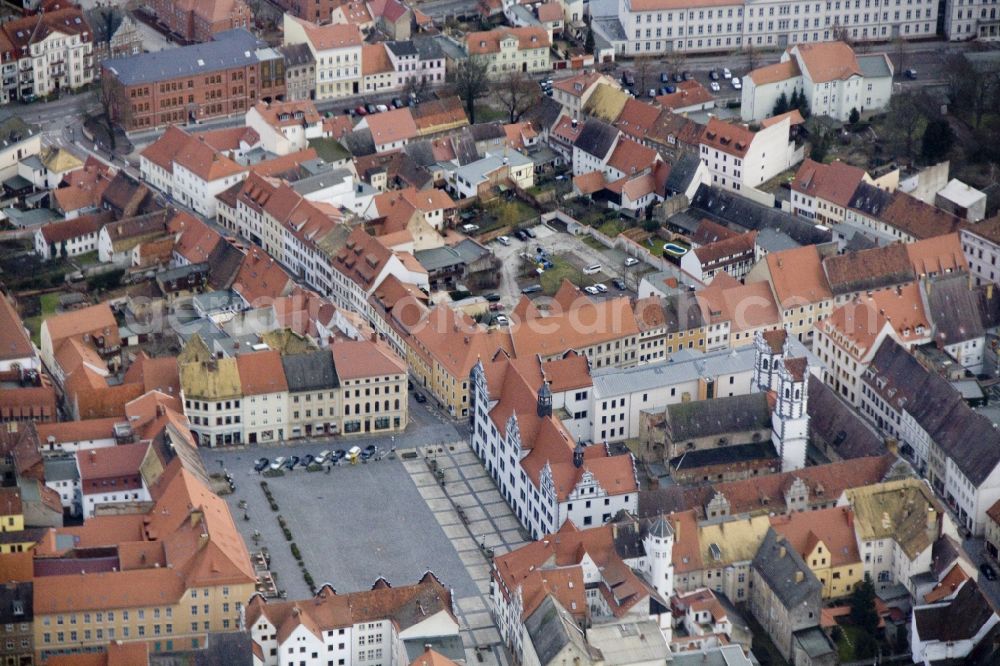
317	11
201	20
223	77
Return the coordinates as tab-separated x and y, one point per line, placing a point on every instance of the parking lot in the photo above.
574	251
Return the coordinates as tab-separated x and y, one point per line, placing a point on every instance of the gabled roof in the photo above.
869	269
779	71
392	126
531	37
707	418
960	619
827	61
954	309
729	138
797	277
918	219
784	571
689	93
330	36
835	182
596	138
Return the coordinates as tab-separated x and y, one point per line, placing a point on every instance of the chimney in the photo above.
161	410
799	576
93	456
202	539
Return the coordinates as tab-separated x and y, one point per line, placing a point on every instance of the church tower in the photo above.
790	419
769	349
544	401
659	547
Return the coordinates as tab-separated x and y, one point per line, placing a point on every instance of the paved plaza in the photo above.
391	517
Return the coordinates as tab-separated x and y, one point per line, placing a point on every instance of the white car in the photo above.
737	84
381	108
278	462
631	261
591	290
726	74
504	240
501	320
714	85
601	288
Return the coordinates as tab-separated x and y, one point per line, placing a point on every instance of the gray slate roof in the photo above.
232	48
297	55
359	142
959	620
544	114
310	371
61	468
779	568
725	455
681	173
870	200
874	66
954	310
596	138
835	422
734	209
705	418
551	628
966	437
16	603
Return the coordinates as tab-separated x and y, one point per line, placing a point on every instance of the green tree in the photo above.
862	604
793	102
803	106
781	106
472	82
855	116
937	140
588	43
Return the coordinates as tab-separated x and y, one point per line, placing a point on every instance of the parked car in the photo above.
664	77
687	76
291	463
988	571
677	77
652	92
671	90
361	111
323	456
278	462
628	78
504	240
501	320
371	108
307	460
261	464
737	84
529	233
492	298
591	290
601	287
726	74
714	85
911	74
631	261
548	92
368	452
520	235
531	289
397	103
663	91
714	75
619	284
420	397
337	456
381	108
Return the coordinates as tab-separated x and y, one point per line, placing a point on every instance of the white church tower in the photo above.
659	547
769	350
790	419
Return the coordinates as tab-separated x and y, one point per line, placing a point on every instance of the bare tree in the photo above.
415	87
115	108
643	69
905	118
517	93
972	92
472	82
899	50
675	60
841	34
752	56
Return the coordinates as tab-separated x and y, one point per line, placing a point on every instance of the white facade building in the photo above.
336	49
972	19
660	26
739	159
830	75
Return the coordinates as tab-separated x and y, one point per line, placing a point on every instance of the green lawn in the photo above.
561	270
611	228
49	303
487	114
594	243
846	642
